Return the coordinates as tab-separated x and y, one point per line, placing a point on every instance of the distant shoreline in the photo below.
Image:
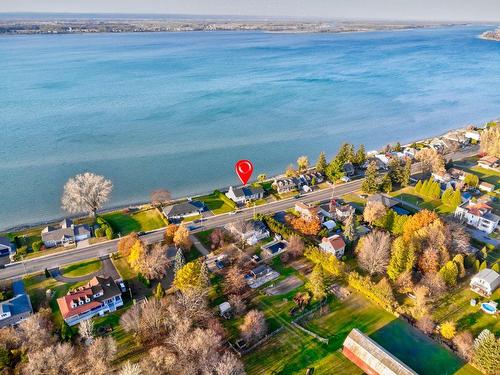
94	26
493	35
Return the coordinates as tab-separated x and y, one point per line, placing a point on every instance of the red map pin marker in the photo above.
244	170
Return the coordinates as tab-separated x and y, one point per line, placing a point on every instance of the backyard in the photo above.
143	220
217	202
408	194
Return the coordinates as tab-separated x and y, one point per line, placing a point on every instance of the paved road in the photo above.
76	255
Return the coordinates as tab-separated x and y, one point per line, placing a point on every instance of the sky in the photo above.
432	10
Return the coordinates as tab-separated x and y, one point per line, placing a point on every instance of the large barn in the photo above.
371	357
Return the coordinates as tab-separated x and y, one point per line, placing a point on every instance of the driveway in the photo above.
483	237
108	269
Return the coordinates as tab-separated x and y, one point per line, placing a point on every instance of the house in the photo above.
349	169
329	225
473	135
371	357
457	137
489	162
244	194
334	245
67	233
225	310
16	309
486	186
260	275
260	271
409	152
380	162
182	210
384	159
273	248
285	185
311	178
6	247
341	211
307	212
456	174
441	177
99	296
251	232
387	201
478	215
485	282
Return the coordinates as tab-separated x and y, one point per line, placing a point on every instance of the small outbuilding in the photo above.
485	282
225	310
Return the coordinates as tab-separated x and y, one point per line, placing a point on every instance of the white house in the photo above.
474	135
478	215
244	194
6	247
485	282
334	245
67	233
486	186
285	185
251	232
182	210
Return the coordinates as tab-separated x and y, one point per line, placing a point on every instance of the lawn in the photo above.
217	203
488	175
123	268
292	351
83	268
456	306
204	237
144	220
408	194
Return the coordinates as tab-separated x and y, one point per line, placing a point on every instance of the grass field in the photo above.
216	203
408	194
292	351
144	220
456	306
83	268
204	237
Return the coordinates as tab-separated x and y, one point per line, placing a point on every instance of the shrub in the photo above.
100	232
109	233
329	262
37	245
380	293
448	330
143	280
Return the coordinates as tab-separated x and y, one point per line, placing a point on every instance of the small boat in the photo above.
489	307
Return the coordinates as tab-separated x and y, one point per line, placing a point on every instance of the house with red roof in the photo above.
99	296
478	215
334	245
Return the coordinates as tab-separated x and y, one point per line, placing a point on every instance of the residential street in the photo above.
39	264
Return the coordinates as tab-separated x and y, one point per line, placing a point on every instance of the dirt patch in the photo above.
285	286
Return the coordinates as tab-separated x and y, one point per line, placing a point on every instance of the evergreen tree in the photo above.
436	190
477	265
418	186
335	170
459	261
159	292
449	273
321	163
446	198
370	184
350	227
399	259
360	157
66	332
386	184
47	273
179	261
406	174
425	188
395	171
487	352
316	284
204	275
483	265
496	267
456	199
346	153
398	147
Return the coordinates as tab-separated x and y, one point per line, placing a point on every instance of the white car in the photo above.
345	179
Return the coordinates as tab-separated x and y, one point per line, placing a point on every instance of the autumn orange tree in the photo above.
420	220
170	233
307	227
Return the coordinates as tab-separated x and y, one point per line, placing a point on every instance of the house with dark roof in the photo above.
251	232
244	194
6	247
99	296
16	309
182	210
371	357
65	234
286	185
387	201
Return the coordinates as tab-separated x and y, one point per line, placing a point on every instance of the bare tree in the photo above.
59	359
148	320
254	326
234	280
36	331
458	236
237	304
295	246
130	369
125	244
229	364
435	284
431	160
374	211
159	360
86	192
425	324
181	238
86	330
240	227
160	196
154	262
100	354
464	341
420	308
375	251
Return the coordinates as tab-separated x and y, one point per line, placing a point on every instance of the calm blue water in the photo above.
177	110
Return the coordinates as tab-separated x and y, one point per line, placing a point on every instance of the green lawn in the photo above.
204	237
217	203
189	219
82	268
125	223
408	194
292	351
488	175
123	268
456	306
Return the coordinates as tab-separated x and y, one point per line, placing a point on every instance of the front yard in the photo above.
408	194
83	268
217	203
143	220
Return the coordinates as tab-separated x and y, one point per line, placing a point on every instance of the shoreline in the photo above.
493	35
136	204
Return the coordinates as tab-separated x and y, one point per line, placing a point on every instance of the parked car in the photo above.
297	196
219	264
255	258
345	179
